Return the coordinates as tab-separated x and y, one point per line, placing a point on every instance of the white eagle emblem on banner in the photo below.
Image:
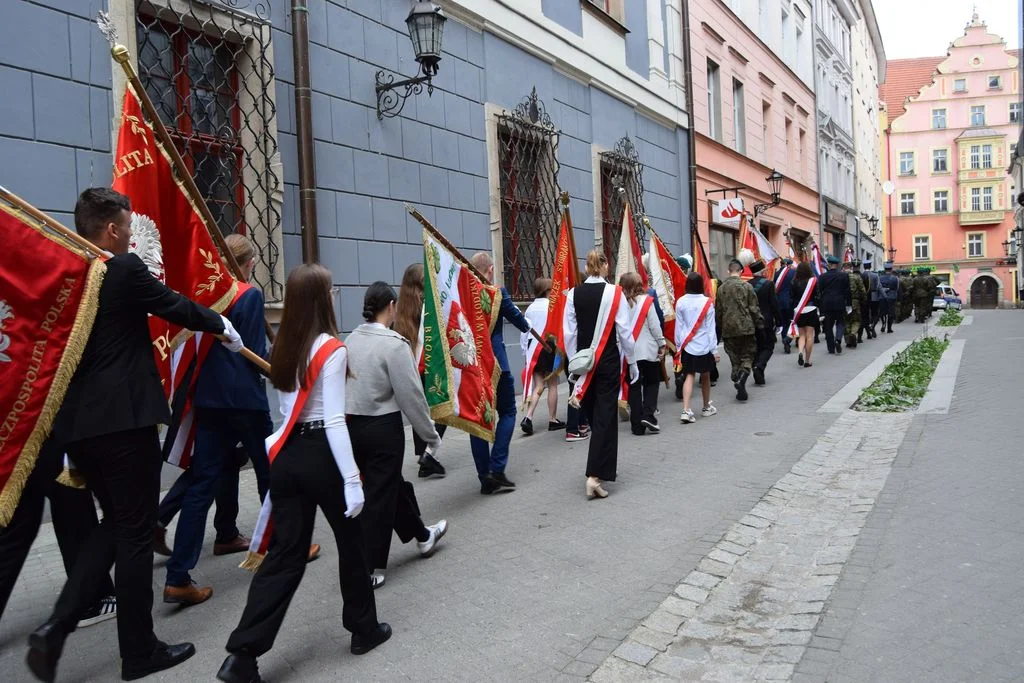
146	244
6	313
463	349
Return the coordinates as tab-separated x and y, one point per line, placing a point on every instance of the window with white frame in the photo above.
922	247
613	8
978	115
940	161
975	245
739	117
941	201
986	156
714	101
906	163
1015	112
960	85
975	199
975	156
995	82
986	199
907	202
938	118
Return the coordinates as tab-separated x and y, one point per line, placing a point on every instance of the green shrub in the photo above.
950	318
903	383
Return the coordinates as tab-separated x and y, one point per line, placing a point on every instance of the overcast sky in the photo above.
925	28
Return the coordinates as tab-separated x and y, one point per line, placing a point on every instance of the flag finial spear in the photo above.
565	198
107	27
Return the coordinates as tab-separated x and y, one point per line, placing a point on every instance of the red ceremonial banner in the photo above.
49	291
564	276
674	273
168	234
703	266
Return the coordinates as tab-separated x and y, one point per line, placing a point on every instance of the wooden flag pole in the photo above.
91	249
122	57
451	247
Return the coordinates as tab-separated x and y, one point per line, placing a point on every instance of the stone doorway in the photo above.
985	292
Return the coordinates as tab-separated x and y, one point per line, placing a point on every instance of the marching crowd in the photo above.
341	445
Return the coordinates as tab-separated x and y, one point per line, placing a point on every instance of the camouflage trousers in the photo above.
922	308
741	352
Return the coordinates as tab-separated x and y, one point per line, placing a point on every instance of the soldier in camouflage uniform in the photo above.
738	317
906	301
858	295
924	294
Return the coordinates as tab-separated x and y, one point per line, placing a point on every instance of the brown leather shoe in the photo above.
160	542
239	544
187	595
314	552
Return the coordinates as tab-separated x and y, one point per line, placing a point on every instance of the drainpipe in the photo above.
304	131
692	137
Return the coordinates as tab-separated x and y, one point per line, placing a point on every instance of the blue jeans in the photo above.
217	434
493	458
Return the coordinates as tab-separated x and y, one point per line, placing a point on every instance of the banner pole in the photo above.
122	57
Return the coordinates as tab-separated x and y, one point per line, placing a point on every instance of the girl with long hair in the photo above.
597	317
649	345
805	313
311	465
544	375
386	386
407	323
696	340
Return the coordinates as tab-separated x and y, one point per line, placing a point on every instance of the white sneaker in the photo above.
377	579
709	410
687	416
437	531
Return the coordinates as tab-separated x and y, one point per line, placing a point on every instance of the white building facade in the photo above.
833	67
868	74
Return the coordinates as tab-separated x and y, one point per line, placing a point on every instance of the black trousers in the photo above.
303	477
787	320
419	445
600	406
74	517
643	396
835	327
123	470
378	443
765	348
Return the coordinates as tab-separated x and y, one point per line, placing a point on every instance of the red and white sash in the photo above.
693	330
276	441
605	323
804	299
639	321
536	348
781	277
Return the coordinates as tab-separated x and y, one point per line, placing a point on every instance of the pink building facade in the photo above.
948	154
753	112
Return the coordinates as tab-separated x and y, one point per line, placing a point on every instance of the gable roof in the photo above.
905	78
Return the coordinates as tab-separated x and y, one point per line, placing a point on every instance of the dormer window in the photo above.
995	83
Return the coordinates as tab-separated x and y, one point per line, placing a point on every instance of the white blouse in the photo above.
622	326
537	315
651	337
688	309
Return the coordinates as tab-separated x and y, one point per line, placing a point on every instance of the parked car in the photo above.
946	297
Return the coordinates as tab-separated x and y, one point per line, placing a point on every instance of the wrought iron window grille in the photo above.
622	180
528	188
208	67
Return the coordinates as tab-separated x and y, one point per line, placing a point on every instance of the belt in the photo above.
308	427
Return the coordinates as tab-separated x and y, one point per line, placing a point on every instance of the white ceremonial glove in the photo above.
354	499
232	340
634	373
433	448
849	310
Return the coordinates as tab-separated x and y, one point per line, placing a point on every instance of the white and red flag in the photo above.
668	281
171	238
630	257
817	262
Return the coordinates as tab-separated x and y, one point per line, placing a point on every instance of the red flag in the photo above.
703	266
668	281
49	291
169	235
564	276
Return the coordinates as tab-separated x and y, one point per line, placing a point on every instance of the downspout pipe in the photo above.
692	136
304	132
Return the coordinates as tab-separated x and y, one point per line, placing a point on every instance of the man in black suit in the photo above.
109	426
836	300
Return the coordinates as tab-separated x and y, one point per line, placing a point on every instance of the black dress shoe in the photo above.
44	647
363	644
164	656
239	669
430	467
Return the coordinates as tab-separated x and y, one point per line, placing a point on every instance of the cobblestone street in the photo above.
776	540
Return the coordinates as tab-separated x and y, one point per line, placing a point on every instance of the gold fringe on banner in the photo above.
71	478
252	561
76	342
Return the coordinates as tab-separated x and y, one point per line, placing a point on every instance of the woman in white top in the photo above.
544	375
696	340
649	351
314	468
588	323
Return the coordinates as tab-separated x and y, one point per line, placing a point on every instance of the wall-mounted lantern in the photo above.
426	30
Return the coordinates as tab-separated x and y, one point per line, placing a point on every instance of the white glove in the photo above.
433	448
354	499
232	340
849	310
634	373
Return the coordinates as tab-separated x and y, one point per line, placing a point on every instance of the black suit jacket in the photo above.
834	287
117	386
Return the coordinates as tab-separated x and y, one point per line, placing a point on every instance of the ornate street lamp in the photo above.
426	29
775	180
